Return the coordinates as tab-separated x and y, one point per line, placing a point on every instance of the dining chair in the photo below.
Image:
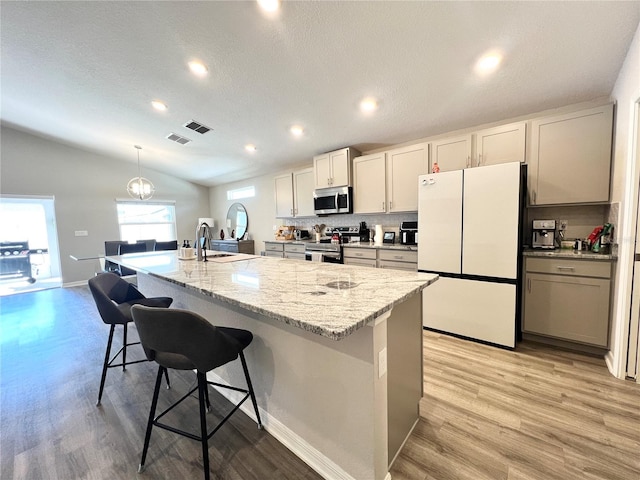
183	340
114	298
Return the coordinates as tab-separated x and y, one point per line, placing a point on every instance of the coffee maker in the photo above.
544	234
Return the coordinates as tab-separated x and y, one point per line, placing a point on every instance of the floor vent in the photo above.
197	127
174	137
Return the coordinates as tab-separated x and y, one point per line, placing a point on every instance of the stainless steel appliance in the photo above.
409	233
302	234
324	251
333	200
352	234
544	234
459	214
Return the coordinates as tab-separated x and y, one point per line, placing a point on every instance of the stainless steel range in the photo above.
324	251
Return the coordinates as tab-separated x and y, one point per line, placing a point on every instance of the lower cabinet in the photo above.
274	249
568	299
233	246
381	258
364	257
295	251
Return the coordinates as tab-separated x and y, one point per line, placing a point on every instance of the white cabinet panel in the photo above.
481	310
440	220
451	153
303	186
491	217
369	183
284	196
405	165
502	144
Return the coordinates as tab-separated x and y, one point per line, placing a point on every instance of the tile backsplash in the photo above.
582	219
390	222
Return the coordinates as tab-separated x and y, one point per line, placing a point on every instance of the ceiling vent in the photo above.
197	126
174	137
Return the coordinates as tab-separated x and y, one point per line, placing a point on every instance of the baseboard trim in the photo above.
80	283
307	453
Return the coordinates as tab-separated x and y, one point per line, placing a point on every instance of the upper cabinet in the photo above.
294	194
451	153
502	144
387	182
404	166
369	183
333	169
571	157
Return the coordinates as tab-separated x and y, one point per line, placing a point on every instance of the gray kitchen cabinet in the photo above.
333	169
571	157
365	257
369	183
387	182
294	194
398	259
502	144
452	153
233	246
274	249
294	251
567	299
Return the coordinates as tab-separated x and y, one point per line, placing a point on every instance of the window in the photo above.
146	220
244	192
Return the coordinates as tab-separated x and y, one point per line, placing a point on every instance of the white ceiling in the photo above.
85	73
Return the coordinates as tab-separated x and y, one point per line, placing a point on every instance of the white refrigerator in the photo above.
469	232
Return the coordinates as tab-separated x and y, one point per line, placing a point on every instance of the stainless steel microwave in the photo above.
333	200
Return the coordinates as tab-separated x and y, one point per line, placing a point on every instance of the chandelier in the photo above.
139	187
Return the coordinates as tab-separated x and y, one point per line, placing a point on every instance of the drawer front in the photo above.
294	249
368	253
409	266
361	262
273	247
294	256
398	256
268	253
561	266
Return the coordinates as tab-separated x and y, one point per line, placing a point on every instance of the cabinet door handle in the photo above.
383	205
399	257
468	161
529	285
390	206
534	197
567	269
479	159
359	254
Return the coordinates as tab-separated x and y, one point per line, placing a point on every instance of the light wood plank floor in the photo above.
536	413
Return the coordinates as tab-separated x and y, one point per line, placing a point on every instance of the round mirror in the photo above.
237	221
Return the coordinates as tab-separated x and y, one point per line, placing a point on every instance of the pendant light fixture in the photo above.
139	187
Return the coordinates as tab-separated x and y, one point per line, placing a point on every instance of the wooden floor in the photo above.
487	413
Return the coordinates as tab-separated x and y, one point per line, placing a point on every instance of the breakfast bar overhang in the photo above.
336	359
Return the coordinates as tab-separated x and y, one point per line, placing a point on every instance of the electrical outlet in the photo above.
563	224
275	227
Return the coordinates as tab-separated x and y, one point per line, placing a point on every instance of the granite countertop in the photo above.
566	253
327	299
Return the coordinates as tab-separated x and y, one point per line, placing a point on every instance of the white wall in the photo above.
85	186
625	180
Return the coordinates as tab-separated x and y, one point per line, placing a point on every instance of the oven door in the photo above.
327	257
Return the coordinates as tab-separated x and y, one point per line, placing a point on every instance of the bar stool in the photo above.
114	298
184	340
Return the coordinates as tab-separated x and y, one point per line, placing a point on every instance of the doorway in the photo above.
29	253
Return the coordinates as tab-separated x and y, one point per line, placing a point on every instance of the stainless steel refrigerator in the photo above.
469	232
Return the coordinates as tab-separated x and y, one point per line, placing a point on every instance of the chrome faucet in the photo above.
203	236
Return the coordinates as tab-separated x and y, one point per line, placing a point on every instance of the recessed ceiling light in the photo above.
488	63
297	130
158	105
250	148
198	68
269	5
368	105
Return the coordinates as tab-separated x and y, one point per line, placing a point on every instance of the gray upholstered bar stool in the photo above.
114	298
184	340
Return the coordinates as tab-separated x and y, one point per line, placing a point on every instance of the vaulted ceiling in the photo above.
85	73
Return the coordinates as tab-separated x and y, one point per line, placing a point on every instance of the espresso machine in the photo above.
544	234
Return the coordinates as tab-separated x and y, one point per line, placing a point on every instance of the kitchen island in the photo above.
337	351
